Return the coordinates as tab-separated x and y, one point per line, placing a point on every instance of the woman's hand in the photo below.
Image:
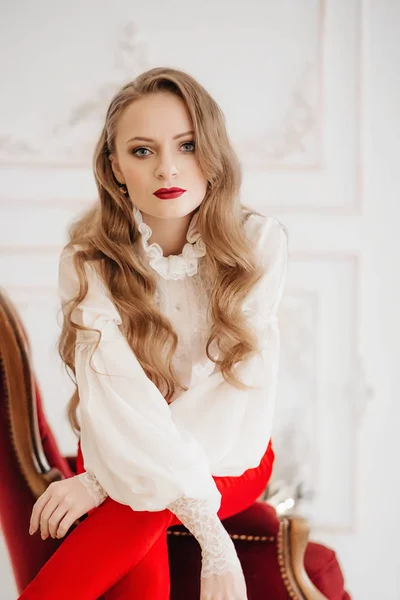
230	586
221	574
63	503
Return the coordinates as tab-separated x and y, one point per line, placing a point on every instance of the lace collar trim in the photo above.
173	266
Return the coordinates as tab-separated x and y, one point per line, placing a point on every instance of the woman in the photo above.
169	288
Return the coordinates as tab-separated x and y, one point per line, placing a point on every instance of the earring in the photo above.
123	189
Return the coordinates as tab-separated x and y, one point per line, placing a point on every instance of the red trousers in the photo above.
123	553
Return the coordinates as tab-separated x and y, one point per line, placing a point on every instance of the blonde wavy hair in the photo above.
109	238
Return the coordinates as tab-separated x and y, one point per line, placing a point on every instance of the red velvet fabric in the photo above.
324	571
258	559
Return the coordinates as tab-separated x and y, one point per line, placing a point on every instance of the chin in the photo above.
173	209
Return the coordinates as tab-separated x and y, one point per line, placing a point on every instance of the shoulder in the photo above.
67	269
268	235
68	278
258	226
69	251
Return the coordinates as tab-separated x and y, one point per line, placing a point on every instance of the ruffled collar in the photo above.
173	266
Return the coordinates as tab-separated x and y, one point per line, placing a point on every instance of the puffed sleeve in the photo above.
128	438
234	425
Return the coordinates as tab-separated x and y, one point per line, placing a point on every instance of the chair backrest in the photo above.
29	456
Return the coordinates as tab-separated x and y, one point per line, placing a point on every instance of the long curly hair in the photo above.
108	237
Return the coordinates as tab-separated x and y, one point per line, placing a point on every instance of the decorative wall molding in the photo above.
355	393
293	145
301	121
18	249
85	118
314	180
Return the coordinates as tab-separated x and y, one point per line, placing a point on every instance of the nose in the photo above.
166	167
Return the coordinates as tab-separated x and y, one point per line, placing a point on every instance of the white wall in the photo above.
311	93
370	555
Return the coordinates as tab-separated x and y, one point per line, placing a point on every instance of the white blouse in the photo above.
146	453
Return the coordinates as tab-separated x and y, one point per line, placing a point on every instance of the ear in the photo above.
116	169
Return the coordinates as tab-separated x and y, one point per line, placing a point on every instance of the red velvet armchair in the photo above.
278	560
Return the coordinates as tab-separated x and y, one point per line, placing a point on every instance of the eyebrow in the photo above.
144	139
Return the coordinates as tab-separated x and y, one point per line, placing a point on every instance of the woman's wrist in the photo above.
218	551
93	487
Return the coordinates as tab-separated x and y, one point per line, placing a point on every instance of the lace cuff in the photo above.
218	551
94	488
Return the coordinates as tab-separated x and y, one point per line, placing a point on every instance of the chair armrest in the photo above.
292	543
17	380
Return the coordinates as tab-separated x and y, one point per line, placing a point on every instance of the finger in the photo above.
66	523
37	511
48	510
56	518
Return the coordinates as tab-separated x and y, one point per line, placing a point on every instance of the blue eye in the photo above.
137	150
190	144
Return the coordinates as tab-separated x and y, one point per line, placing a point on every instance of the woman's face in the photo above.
165	159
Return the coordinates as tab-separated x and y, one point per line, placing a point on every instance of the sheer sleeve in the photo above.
234	425
129	440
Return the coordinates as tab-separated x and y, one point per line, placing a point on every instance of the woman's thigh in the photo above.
149	579
98	553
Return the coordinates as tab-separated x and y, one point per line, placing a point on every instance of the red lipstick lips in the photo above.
169	193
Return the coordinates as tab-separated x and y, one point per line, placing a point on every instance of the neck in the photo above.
170	234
